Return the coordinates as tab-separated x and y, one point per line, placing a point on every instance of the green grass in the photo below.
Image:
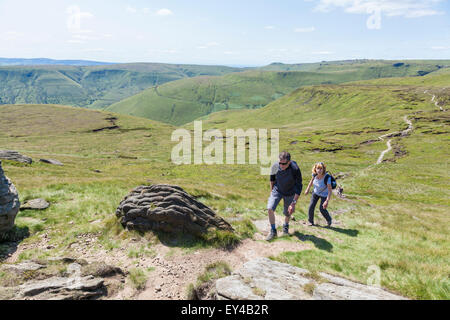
394	216
213	271
138	278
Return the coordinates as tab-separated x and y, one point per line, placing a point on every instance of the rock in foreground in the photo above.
167	208
59	280
14	156
9	203
264	279
35	204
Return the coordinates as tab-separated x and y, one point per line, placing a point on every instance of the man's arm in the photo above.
297	189
272	181
273	175
298	183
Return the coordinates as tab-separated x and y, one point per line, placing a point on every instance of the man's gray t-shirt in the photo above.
287	182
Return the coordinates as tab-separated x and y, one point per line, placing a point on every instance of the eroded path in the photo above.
403	133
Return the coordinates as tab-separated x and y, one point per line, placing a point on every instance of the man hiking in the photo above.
286	184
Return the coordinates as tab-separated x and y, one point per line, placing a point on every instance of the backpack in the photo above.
332	181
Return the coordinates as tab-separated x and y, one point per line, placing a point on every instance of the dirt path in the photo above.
433	100
174	273
403	133
170	269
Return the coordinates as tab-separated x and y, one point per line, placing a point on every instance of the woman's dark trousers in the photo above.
312	206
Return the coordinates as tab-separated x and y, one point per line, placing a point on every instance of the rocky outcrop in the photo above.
51	161
264	279
9	203
14	156
167	208
35	204
38	281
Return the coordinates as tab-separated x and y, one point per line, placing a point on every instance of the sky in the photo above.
239	33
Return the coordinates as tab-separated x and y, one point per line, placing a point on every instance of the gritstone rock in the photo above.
14	156
51	161
9	203
35	204
263	278
167	208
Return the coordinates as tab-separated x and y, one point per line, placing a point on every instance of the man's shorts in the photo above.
275	198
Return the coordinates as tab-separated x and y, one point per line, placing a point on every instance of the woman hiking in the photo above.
321	191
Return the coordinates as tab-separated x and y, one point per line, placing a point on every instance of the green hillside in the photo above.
383	68
182	101
93	86
393	216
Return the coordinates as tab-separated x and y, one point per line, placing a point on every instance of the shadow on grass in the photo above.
349	232
9	241
319	243
223	240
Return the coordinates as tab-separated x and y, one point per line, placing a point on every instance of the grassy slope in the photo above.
182	101
396	216
94	86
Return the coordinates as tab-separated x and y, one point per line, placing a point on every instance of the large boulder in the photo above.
9	203
14	156
264	279
167	208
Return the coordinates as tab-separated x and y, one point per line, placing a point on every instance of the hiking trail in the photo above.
433	100
394	134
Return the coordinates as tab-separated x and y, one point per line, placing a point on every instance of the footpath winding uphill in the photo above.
403	133
434	101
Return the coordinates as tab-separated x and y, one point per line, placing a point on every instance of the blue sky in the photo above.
245	32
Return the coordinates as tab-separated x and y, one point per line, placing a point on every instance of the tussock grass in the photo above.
394	215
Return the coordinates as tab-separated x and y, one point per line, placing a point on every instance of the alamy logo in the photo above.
214	152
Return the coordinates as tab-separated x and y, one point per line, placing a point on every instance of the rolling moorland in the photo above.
179	102
90	86
392	215
113	86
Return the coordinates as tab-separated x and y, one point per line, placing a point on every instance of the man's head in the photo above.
284	160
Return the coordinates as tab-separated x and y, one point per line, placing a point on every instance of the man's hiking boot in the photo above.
310	224
329	223
272	235
285	230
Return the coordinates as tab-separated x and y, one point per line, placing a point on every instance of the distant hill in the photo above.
384	68
98	86
184	100
90	86
45	61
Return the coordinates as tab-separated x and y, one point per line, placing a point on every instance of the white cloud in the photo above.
209	45
164	12
73	21
440	47
11	35
375	8
94	50
309	29
269	27
130	9
322	52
